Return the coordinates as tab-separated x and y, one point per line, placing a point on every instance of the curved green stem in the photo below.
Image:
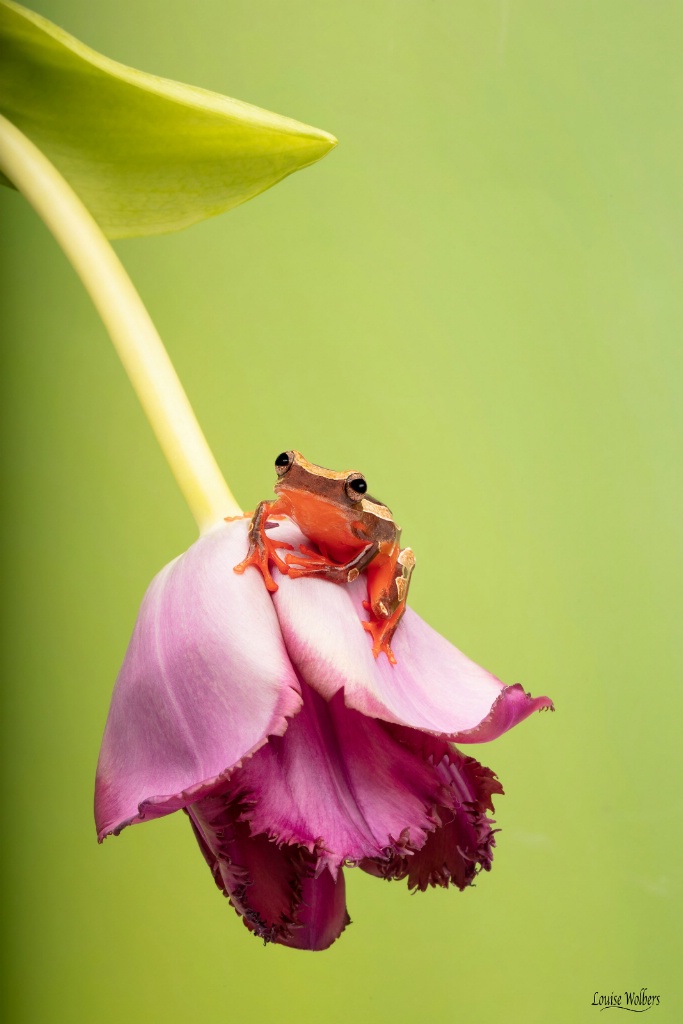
129	325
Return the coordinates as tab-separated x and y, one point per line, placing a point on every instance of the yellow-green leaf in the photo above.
145	154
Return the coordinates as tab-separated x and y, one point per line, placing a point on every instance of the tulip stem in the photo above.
130	327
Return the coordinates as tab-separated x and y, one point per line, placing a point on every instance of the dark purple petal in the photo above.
204	683
279	891
433	686
462	845
339	784
322	915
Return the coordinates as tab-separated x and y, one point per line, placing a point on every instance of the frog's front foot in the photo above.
312	564
262	551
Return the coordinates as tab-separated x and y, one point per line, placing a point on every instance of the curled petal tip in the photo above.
511	706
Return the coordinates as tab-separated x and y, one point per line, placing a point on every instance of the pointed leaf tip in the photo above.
146	155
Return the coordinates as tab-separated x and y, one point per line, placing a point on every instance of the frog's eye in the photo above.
283	462
355	486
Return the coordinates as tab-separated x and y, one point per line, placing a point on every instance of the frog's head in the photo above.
300	479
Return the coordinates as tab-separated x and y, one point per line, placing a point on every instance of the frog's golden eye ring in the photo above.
283	462
355	486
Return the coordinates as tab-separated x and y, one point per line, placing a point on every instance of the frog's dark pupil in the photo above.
359	486
282	460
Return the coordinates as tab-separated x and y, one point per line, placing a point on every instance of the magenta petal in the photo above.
204	683
462	845
277	890
339	784
433	686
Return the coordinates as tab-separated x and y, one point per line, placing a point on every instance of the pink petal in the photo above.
433	686
339	784
462	845
205	681
274	888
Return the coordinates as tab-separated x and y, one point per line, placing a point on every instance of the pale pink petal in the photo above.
339	784
204	683
433	686
279	891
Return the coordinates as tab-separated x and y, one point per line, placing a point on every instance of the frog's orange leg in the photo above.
262	549
388	591
325	569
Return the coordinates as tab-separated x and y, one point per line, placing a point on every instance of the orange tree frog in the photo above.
352	533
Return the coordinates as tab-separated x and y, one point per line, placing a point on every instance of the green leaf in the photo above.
145	154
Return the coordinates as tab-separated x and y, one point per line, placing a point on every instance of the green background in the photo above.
476	301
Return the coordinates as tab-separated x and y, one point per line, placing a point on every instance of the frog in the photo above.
353	533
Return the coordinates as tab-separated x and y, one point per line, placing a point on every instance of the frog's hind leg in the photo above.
387	592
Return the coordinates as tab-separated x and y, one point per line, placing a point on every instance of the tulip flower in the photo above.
292	749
